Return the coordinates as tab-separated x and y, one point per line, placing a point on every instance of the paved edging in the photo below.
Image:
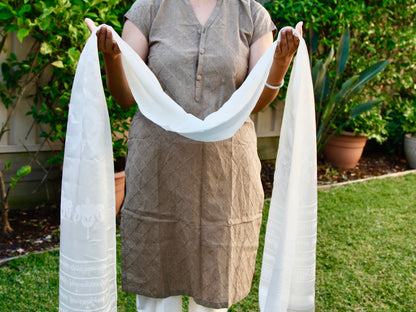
5	260
389	175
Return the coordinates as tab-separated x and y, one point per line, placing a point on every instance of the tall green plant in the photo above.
333	97
6	189
382	30
57	33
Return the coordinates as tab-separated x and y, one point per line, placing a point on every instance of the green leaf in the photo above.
22	33
363	107
58	64
346	86
319	76
366	75
5	15
329	58
7	165
372	71
342	52
45	48
73	54
45	22
25	8
25	170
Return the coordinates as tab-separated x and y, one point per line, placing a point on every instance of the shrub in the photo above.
58	33
380	30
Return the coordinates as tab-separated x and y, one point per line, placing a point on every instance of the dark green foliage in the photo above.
59	34
335	109
380	30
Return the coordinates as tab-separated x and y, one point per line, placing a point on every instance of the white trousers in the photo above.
169	304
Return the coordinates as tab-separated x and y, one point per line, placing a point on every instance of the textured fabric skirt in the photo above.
191	218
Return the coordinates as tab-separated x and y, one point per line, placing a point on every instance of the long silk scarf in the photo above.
87	272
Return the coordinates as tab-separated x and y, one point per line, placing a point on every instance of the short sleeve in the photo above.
262	22
141	14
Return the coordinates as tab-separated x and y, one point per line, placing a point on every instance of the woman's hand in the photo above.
288	44
283	55
106	43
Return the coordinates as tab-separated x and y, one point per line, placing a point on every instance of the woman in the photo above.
191	217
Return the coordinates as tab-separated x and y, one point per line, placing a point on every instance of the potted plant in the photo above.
409	128
335	109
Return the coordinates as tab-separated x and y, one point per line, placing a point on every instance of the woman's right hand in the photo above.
106	43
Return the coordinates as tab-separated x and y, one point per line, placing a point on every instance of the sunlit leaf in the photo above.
58	64
25	170
22	33
45	48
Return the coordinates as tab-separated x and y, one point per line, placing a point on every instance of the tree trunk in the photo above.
4	205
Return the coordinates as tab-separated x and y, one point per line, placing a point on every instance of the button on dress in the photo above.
191	217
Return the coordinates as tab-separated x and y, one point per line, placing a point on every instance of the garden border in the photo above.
328	186
388	175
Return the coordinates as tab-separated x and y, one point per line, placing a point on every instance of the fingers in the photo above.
106	43
288	42
90	24
299	29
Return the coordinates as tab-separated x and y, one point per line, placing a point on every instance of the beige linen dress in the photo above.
192	213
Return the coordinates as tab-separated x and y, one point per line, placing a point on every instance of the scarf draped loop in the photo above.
87	270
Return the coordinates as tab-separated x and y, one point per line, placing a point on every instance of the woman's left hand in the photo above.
288	44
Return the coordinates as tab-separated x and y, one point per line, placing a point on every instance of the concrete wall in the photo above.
268	124
41	187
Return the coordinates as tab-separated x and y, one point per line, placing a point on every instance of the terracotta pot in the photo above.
120	181
410	150
345	150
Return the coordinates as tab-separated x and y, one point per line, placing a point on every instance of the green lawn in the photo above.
366	256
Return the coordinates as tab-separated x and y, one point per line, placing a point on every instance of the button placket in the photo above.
200	68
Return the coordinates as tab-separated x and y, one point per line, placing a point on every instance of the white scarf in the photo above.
87	273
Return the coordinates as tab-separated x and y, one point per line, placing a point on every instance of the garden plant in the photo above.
56	33
333	100
380	30
365	248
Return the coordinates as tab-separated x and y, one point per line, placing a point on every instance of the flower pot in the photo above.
345	150
410	150
120	181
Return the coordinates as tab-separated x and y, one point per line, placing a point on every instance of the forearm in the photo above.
117	81
276	76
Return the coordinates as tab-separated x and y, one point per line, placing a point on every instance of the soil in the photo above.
373	163
33	230
38	229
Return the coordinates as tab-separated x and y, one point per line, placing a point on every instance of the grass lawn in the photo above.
366	256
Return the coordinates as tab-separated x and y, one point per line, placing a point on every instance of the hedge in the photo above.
379	30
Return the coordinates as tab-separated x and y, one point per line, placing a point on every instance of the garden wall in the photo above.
22	146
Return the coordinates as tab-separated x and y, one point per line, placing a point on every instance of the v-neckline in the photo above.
210	19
